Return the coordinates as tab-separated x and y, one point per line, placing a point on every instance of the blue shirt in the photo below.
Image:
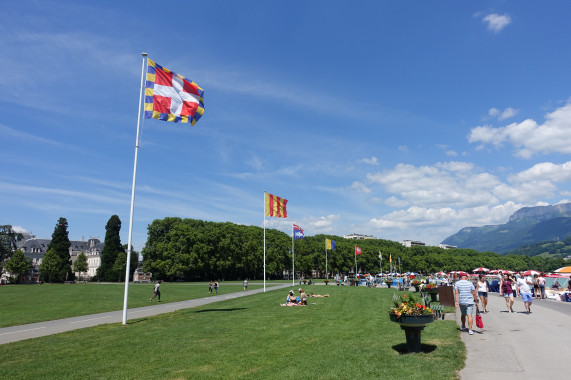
465	288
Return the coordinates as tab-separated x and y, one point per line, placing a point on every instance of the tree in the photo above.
80	264
8	241
111	250
60	245
50	268
18	264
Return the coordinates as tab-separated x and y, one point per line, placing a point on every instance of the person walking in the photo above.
215	287
507	293
524	290
541	283
245	284
536	292
483	290
465	297
210	286
156	291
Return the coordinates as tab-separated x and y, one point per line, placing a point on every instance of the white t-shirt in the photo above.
523	285
482	286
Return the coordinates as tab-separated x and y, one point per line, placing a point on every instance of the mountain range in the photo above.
527	225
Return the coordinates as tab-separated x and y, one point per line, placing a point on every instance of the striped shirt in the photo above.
465	288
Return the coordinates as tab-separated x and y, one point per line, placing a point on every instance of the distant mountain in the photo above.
527	225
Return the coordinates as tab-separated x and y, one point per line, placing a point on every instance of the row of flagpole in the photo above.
273	206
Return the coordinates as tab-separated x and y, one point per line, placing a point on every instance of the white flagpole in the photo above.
264	241
292	257
355	262
129	246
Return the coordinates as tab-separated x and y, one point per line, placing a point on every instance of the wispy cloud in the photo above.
496	22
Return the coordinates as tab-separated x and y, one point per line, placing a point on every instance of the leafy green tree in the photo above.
18	264
111	250
121	262
50	267
80	264
8	240
60	245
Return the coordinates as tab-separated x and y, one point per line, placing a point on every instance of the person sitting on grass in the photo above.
302	297
292	300
318	295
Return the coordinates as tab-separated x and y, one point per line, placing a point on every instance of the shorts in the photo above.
508	295
526	297
467	309
483	294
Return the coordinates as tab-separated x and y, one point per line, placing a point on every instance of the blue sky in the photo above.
402	120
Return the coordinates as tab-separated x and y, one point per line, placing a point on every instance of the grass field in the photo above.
347	335
22	304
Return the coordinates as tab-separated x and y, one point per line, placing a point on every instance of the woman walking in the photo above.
483	292
507	292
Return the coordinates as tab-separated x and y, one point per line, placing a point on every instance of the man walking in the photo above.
524	290
465	297
157	292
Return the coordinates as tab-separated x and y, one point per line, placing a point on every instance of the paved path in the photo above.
34	330
519	345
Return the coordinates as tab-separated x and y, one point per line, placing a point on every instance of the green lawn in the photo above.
22	304
348	335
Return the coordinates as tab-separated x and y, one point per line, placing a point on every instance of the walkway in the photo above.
35	330
519	345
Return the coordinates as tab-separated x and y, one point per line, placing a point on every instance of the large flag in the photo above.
297	232
329	244
276	206
172	97
357	250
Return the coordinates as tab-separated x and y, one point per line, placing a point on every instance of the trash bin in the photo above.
446	295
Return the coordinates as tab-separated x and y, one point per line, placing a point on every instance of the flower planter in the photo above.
412	326
433	295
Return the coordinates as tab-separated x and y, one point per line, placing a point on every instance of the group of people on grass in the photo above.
301	299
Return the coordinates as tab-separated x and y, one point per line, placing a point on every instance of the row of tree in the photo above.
189	249
56	265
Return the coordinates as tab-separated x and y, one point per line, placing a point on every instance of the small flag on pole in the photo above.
297	232
380	255
172	97
329	244
276	206
390	258
357	251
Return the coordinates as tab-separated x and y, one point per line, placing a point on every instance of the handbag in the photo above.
479	321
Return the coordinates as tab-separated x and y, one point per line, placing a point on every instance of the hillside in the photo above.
526	226
548	249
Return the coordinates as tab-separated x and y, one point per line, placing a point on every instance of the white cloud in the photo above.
496	22
403	148
508	112
371	161
545	171
426	223
396	202
529	137
360	187
440	185
19	230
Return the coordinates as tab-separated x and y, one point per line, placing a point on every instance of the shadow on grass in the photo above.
209	310
425	348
